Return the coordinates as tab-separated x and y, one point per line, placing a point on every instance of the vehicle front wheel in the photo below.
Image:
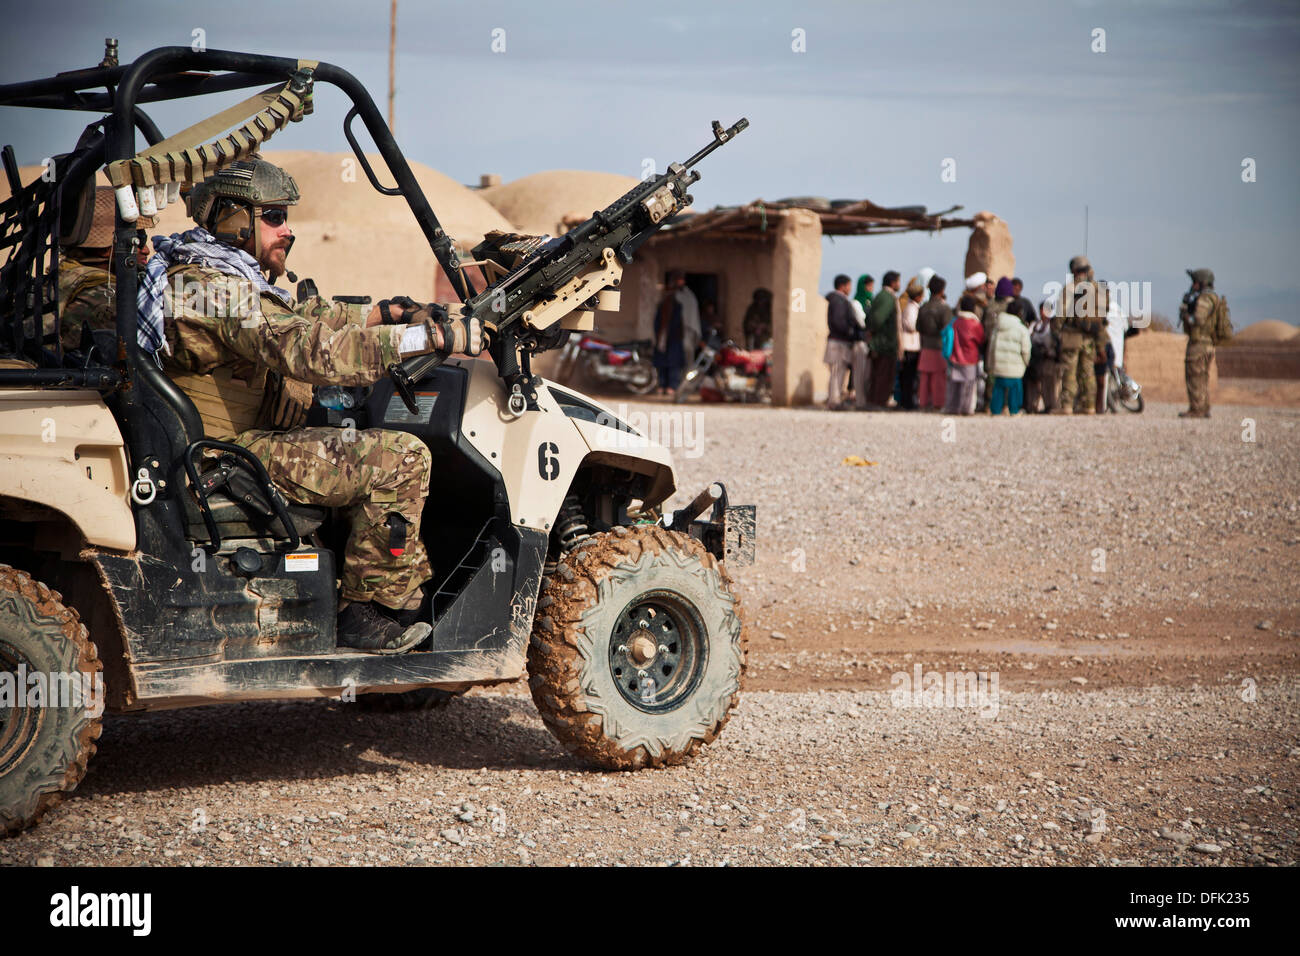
51	698
638	648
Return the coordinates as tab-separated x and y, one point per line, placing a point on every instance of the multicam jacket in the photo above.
86	298
224	337
215	320
1198	319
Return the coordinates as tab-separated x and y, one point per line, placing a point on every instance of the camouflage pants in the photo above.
1085	379
1197	368
372	474
1068	370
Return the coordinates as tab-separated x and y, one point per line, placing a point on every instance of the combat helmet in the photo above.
1204	276
229	202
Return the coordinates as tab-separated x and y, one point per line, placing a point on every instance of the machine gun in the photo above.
540	282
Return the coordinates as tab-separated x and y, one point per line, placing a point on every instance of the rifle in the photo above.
541	282
1187	311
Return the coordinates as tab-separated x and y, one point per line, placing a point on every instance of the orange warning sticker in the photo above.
302	562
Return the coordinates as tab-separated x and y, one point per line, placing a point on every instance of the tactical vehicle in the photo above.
155	567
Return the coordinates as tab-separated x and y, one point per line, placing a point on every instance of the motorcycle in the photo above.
1122	391
726	372
628	365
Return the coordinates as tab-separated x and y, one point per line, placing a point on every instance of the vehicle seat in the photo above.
240	511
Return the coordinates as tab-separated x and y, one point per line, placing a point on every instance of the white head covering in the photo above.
925	275
976	281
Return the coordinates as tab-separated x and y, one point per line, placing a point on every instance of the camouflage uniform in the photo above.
86	297
1080	318
215	320
1084	378
1197	320
375	475
1071	343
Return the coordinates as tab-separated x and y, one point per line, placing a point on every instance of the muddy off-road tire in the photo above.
627	607
43	750
424	698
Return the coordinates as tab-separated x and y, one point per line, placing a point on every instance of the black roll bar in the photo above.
169	73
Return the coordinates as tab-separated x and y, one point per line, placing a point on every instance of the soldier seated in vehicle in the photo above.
87	293
213	318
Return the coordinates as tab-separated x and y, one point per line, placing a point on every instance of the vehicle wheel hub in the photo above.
658	651
643	649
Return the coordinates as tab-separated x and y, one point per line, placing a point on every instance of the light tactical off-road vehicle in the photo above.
151	567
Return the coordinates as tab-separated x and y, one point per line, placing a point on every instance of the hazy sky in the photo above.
1150	134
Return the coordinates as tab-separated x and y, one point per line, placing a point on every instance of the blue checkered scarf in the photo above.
200	246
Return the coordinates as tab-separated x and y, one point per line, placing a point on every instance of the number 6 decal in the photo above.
548	465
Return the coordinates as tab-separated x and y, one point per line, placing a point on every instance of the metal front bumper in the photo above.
729	533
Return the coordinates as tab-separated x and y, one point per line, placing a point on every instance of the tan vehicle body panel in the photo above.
513	445
63	449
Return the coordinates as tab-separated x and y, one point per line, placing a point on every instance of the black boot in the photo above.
363	627
404	617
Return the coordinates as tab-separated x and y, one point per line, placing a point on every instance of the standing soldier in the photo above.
1071	323
1091	303
1205	319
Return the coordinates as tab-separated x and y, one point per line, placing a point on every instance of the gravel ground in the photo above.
1041	512
1111	777
1146	705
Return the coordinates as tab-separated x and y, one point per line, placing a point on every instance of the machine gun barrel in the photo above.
720	136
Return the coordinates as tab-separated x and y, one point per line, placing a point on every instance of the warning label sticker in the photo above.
398	414
302	562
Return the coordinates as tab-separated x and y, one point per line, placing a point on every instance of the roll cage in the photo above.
32	214
158	420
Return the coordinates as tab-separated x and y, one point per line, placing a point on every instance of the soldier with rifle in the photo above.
1205	320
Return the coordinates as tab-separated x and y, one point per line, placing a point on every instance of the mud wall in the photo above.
990	248
1155	360
1259	361
788	263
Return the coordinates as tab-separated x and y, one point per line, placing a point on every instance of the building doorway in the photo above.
707	289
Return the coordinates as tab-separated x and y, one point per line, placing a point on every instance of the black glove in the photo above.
407	305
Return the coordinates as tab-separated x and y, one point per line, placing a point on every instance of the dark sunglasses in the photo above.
275	217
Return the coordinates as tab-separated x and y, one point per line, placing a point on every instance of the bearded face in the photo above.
273	242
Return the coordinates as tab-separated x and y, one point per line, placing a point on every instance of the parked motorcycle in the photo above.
628	365
1122	391
726	372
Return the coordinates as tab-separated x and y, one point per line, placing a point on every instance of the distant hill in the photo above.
1268	332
